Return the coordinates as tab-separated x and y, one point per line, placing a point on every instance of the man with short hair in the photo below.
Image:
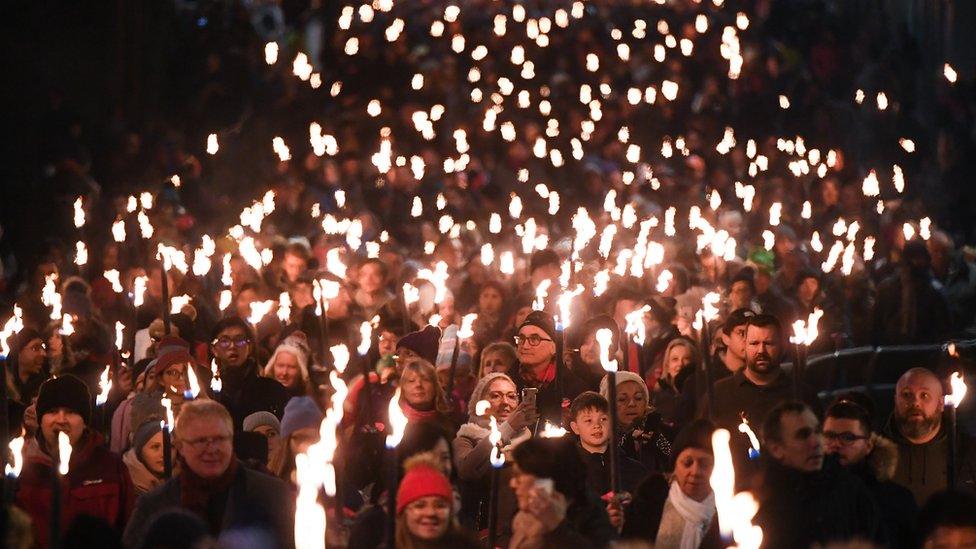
872	458
916	427
538	368
761	384
244	391
213	484
806	499
97	483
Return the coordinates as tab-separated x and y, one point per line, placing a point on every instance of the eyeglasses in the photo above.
498	395
206	442
226	342
533	340
846	438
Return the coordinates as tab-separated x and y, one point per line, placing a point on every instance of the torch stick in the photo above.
4	427
167	450
165	291
952	401
54	534
454	360
493	507
398	422
706	337
604	337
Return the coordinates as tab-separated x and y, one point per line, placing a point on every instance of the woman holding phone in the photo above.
472	449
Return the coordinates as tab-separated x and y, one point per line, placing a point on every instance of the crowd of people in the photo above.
497	203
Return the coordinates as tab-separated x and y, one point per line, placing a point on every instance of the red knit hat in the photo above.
420	481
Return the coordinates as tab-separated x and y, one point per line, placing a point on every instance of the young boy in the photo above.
590	420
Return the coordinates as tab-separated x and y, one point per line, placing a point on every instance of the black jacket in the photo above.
629	471
649	444
245	392
798	509
895	502
552	395
255	499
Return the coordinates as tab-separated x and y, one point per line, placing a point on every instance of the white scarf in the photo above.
697	515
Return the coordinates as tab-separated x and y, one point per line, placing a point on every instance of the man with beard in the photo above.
806	498
754	390
923	441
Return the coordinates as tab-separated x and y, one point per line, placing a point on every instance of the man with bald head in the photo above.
916	426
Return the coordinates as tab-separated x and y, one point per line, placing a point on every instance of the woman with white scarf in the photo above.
472	450
679	513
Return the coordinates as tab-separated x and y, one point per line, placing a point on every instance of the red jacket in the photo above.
97	484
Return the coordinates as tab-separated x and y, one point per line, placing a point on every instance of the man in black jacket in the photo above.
805	498
243	390
872	458
214	485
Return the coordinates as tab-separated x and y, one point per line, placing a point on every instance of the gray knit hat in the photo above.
478	394
257	419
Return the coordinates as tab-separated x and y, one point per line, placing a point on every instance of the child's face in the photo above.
592	426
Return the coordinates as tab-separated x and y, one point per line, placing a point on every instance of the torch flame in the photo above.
340	357
398	421
604	337
466	331
541	292
958	386
64	452
168	405
735	511
104	386
551	431
747	430
215	384
13	325
191	379
497	458
16	450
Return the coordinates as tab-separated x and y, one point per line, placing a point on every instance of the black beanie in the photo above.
697	434
65	391
425	342
541	320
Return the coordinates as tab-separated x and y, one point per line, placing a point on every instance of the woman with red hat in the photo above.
425	512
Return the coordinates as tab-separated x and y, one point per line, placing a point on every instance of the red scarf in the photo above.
414	415
197	492
548	375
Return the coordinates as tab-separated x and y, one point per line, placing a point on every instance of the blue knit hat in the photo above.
300	412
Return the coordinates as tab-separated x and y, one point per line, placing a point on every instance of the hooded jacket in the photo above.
143	480
922	468
895	502
798	509
245	392
97	484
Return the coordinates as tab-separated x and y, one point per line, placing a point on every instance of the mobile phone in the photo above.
544	485
528	396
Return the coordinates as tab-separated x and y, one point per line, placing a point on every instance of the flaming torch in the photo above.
804	334
745	429
167	425
466	331
703	317
12	471
952	401
61	467
604	337
398	422
735	511
104	386
215	384
497	460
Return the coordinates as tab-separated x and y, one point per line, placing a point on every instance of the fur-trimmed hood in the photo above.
883	459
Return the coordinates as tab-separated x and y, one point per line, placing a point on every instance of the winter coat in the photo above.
642	518
911	309
471	452
254	499
245	392
798	509
97	484
629	472
922	468
554	395
649	444
895	502
143	480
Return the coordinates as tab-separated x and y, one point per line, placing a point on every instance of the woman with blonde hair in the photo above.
421	396
680	359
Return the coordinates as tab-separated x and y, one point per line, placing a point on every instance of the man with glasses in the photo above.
872	458
243	390
807	498
214	485
535	342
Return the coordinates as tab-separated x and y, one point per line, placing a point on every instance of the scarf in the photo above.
696	516
200	495
548	375
415	415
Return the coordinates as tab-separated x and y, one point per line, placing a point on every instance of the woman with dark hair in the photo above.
555	508
679	510
26	366
60	356
371	279
491	310
586	351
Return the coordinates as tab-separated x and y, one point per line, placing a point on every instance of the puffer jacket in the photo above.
97	484
895	502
